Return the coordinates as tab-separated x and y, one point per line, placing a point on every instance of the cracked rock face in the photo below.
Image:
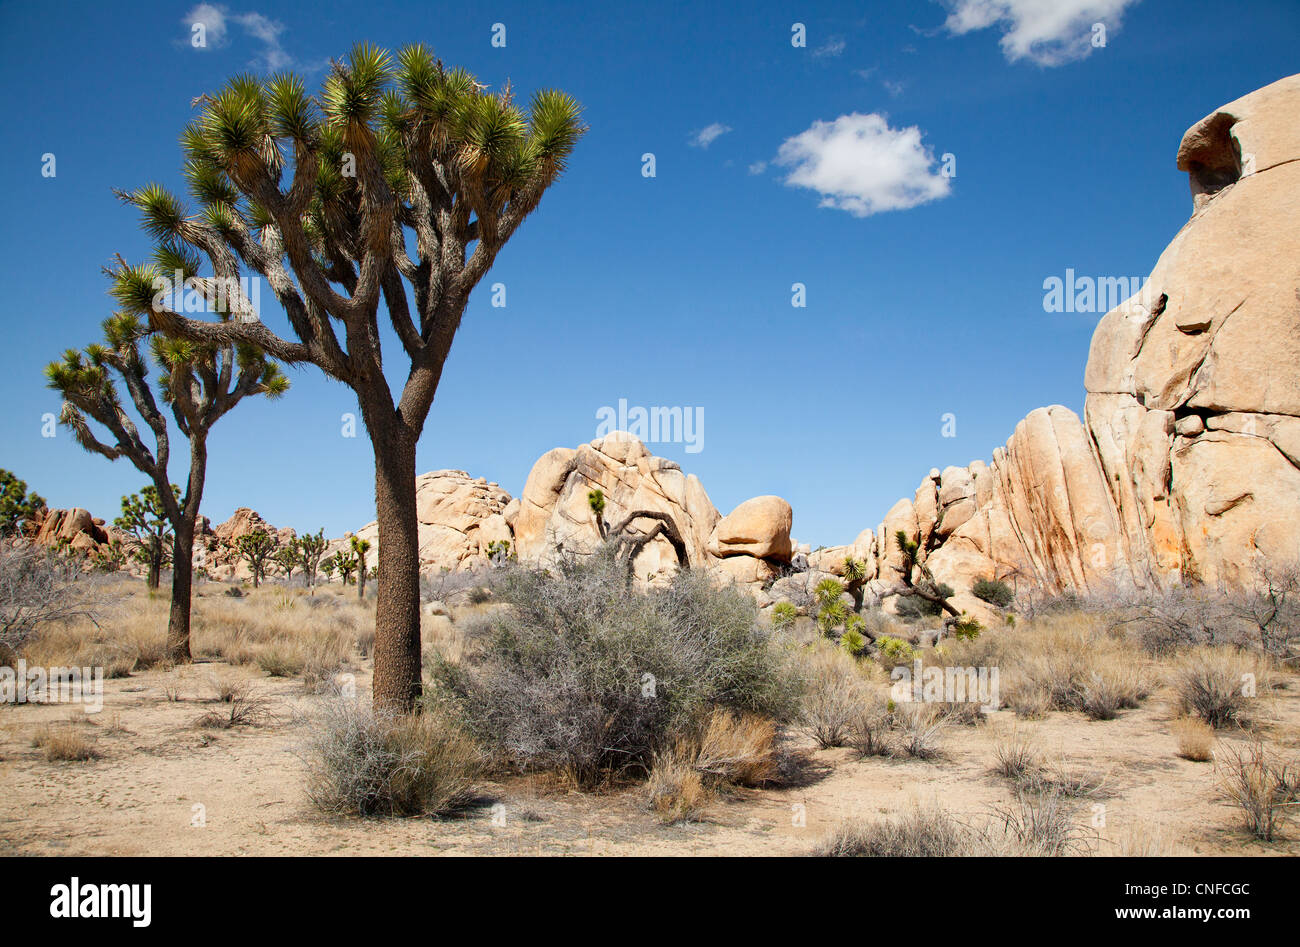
1187	461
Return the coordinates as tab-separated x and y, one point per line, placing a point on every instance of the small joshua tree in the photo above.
919	582
18	508
256	548
855	578
288	557
498	552
596	500
144	518
346	563
199	383
359	549
311	546
328	566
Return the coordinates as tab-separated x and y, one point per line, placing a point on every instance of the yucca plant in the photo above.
144	517
395	186
198	383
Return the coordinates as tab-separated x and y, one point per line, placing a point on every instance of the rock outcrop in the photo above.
459	518
1187	461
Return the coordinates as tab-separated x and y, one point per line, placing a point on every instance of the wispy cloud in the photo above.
707	135
1047	32
895	89
832	47
859	164
216	20
758	167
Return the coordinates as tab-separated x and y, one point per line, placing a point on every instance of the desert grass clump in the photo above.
244	707
1218	685
65	742
1195	739
1265	789
1040	824
836	691
921	833
280	660
676	790
578	672
869	732
366	763
1016	755
921	727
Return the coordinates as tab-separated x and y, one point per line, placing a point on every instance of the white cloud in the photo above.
1047	32
859	164
832	47
758	167
707	135
216	20
213	20
895	89
266	31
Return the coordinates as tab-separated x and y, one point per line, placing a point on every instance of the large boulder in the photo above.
759	527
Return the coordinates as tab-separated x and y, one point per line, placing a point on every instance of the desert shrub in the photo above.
922	833
1111	686
869	730
921	729
583	674
1041	824
994	592
479	595
280	661
65	743
784	615
1016	755
38	587
1195	739
1216	685
244	707
364	763
915	608
834	693
1263	788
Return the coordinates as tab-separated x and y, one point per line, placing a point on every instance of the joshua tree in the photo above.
327	198
596	500
18	508
200	382
287	557
855	577
328	566
917	580
346	563
144	518
359	548
311	546
628	545
256	548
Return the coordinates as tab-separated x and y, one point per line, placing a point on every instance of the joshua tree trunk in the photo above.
397	618
184	520
155	565
178	621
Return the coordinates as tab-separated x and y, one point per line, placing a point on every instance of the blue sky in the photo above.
673	290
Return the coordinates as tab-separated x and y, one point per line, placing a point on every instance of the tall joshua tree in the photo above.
399	173
199	382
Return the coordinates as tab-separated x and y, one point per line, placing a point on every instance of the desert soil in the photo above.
156	766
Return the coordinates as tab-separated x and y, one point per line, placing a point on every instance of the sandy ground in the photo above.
139	797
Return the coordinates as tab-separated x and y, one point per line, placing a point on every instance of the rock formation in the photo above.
1187	462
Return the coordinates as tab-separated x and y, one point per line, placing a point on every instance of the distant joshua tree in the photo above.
199	382
18	508
398	173
144	518
287	557
359	549
256	548
596	500
311	546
